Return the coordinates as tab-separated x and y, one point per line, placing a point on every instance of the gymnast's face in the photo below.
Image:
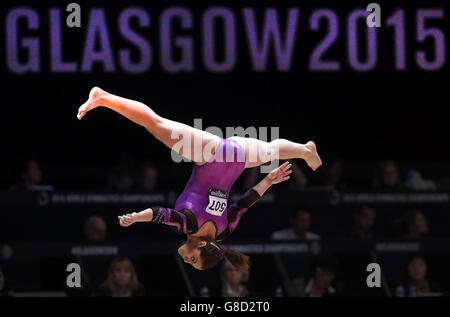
190	253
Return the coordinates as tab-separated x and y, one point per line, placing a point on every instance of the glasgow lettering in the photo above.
138	40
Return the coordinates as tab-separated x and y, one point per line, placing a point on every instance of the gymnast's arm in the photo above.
143	216
182	221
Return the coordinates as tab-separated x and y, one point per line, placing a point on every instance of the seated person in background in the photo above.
122	281
95	229
300	222
331	174
363	221
4	290
416	224
388	177
148	175
298	177
415	181
233	281
319	284
417	283
31	177
122	179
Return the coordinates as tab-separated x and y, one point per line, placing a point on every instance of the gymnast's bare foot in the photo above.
95	99
312	158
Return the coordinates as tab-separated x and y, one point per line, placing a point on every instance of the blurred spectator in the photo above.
122	281
363	222
31	177
415	181
148	176
95	229
417	283
298	178
416	224
332	174
388	177
4	290
122	177
319	284
300	223
233	281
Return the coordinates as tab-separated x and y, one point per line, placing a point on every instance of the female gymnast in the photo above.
201	210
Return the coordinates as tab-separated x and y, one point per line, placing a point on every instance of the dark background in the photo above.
360	117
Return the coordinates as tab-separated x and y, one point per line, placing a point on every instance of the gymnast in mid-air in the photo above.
201	211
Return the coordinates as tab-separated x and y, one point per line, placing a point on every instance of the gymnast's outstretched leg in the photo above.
259	152
198	146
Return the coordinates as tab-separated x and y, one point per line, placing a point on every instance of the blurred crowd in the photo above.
411	225
122	178
145	176
323	278
322	281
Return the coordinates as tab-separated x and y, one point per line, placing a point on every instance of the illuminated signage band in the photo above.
176	40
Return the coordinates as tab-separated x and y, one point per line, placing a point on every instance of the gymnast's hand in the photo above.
128	219
280	174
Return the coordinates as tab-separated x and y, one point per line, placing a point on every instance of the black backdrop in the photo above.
360	116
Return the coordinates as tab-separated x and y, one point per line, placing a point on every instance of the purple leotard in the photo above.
219	173
206	194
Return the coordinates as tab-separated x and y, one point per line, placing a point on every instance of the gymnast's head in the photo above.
205	253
